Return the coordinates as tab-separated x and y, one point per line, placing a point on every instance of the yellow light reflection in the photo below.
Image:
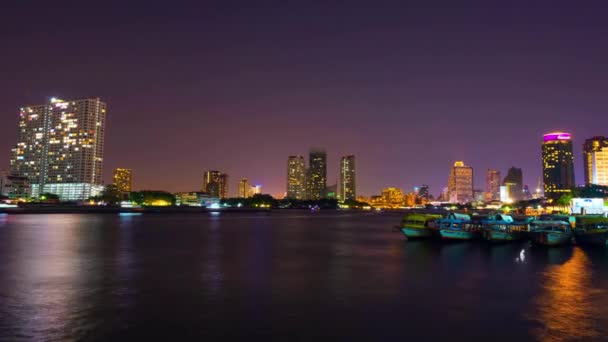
566	309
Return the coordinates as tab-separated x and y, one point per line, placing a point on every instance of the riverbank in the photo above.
58	209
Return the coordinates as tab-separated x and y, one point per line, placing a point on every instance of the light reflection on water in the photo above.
566	308
112	277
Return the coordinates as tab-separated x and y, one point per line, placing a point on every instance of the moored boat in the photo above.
458	227
502	228
550	233
591	230
416	225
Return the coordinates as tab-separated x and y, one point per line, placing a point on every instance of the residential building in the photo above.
492	185
348	184
296	177
460	183
215	184
244	189
123	180
60	147
595	158
558	164
316	181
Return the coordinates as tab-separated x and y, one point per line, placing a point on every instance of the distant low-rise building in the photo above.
14	187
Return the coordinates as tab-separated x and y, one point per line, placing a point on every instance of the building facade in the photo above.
316	181
348	182
460	183
558	164
296	177
514	180
14	187
595	159
215	184
244	189
60	148
123	180
492	185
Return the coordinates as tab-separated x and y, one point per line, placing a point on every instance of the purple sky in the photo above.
239	86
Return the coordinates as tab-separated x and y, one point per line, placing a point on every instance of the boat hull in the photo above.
461	235
416	233
551	238
502	236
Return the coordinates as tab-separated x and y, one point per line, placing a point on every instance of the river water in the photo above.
287	276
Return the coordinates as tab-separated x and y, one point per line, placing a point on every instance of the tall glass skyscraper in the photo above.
316	181
558	164
296	177
595	158
60	147
348	184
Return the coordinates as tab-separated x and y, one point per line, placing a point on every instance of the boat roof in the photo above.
457	216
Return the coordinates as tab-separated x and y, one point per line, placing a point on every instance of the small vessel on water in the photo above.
591	230
551	233
458	227
502	228
416	225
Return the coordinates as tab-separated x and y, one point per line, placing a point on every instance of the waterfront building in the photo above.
348	184
215	184
316	181
14	187
460	183
60	148
244	189
595	158
558	164
191	199
393	197
123	180
411	199
296	177
514	181
492	185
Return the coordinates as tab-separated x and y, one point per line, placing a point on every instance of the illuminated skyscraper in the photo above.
558	164
215	184
595	157
296	177
348	184
514	180
244	190
123	180
60	147
492	185
316	181
460	183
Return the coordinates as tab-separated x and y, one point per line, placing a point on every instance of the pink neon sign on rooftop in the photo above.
557	136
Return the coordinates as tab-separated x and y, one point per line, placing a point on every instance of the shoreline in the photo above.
119	210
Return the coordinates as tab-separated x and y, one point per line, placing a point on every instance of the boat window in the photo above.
455	225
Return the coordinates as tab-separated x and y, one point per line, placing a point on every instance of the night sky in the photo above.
240	85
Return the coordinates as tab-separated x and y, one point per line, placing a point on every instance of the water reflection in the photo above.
565	309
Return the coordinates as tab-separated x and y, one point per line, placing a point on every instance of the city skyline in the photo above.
351	86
